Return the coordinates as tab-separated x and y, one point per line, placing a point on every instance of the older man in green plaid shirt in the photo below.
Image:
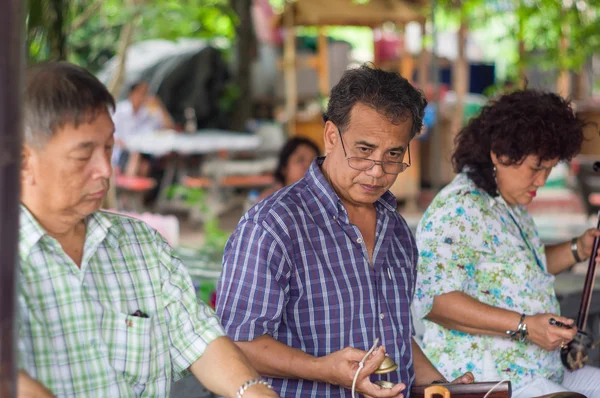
106	309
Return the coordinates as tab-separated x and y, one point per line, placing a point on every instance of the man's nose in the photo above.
376	170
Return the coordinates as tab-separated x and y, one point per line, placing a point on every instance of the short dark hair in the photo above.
286	152
387	92
516	125
137	84
58	93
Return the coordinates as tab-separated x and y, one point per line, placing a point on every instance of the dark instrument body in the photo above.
575	355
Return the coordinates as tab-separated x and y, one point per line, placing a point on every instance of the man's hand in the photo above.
341	366
27	387
547	336
467	378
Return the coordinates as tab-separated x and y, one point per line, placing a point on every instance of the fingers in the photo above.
354	354
375	391
563	320
467	378
374	360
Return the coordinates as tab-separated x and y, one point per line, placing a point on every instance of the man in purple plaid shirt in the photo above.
316	272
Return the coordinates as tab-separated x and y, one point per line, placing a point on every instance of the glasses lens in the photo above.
360	164
394	168
367	164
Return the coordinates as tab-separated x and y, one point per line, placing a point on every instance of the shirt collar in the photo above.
326	195
31	232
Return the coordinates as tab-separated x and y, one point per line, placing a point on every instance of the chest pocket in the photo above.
129	343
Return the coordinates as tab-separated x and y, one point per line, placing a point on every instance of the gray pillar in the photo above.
11	66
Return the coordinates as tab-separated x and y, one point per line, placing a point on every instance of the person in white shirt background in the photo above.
139	113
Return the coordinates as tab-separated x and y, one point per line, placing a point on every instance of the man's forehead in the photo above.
87	133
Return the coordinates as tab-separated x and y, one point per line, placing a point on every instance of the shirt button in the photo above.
334	218
359	240
381	316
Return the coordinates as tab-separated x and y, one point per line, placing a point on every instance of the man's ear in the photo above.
330	135
27	160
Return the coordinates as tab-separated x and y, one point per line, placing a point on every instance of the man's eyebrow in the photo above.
85	145
368	144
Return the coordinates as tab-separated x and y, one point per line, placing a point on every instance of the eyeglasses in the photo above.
364	164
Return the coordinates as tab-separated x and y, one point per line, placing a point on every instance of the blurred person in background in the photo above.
294	160
138	114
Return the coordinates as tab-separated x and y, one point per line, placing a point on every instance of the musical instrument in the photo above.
474	390
388	365
575	354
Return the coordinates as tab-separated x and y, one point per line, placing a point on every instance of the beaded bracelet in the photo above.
249	384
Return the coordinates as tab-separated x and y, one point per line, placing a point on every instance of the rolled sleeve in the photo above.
192	324
449	239
253	288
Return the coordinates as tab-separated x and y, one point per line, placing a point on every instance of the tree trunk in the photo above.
118	79
57	34
125	39
522	77
246	51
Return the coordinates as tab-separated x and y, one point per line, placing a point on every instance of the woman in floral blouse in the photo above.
483	269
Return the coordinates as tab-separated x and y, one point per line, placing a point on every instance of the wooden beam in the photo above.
423	65
323	65
289	70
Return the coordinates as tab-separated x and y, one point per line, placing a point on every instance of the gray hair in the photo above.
60	93
387	92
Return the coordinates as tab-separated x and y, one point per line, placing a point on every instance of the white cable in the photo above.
361	364
495	386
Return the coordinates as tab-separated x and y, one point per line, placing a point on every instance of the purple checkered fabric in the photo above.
296	269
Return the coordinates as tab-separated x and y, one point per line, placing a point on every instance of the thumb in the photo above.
374	360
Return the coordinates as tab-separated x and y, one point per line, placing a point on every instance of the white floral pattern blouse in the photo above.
474	243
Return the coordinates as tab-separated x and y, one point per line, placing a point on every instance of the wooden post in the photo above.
460	83
423	66
289	69
323	66
11	70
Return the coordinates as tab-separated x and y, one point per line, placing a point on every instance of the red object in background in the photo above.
133	183
387	46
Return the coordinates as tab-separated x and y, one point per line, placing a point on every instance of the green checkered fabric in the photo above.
77	334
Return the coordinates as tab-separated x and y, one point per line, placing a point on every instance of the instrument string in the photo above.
361	364
494	387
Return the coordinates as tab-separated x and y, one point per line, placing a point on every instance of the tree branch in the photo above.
85	15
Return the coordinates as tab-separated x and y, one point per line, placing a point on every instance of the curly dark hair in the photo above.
516	125
387	92
286	152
